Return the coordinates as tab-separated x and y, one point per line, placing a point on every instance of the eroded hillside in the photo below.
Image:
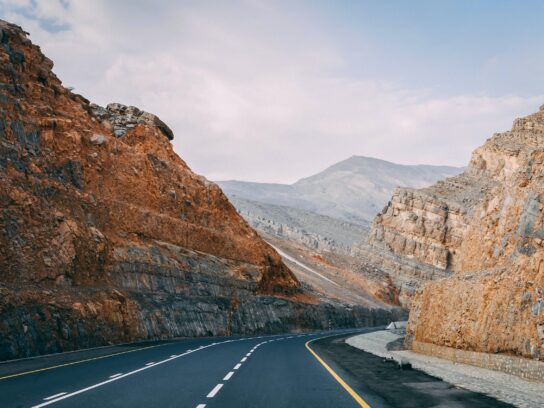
473	244
106	235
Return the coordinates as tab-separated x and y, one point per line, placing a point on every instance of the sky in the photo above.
274	91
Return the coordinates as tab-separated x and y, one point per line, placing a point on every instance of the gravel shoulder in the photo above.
504	387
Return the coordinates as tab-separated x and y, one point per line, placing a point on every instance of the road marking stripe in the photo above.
81	361
244	359
116	375
114	379
227	377
201	406
237	366
173	355
350	390
54	396
215	391
151	363
248	354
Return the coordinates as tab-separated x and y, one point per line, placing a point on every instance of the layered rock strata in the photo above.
107	236
473	244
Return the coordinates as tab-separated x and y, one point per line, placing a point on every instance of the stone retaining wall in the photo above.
521	367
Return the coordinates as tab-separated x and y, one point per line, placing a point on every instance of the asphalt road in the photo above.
264	371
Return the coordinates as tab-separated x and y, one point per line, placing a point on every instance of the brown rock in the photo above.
107	236
472	245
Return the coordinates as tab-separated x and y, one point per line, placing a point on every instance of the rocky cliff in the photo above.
473	244
107	236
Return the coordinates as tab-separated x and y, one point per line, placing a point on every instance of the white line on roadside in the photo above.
227	377
114	379
173	355
244	359
248	354
116	375
214	391
54	396
201	406
237	366
151	363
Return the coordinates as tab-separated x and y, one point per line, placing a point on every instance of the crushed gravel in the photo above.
502	386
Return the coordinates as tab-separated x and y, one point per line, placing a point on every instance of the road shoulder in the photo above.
504	387
382	384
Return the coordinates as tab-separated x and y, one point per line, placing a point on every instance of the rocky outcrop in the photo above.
315	231
107	236
473	245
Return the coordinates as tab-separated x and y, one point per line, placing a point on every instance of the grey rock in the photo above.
98	139
537	307
122	118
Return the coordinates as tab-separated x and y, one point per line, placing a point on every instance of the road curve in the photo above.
289	370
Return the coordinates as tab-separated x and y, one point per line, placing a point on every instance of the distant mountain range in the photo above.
353	190
332	209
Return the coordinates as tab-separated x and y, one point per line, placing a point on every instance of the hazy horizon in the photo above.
277	91
334	164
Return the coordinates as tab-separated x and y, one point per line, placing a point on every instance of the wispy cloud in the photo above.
255	91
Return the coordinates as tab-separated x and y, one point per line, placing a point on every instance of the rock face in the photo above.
474	245
107	236
316	231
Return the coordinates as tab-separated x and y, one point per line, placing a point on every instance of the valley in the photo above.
128	279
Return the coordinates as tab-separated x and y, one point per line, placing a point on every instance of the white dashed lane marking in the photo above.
59	397
227	377
54	396
215	391
63	395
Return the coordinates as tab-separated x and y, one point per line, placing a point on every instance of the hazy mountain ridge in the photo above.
353	190
331	210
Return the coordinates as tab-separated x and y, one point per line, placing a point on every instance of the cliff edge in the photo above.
468	252
107	236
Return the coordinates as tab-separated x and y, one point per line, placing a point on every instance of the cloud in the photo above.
252	91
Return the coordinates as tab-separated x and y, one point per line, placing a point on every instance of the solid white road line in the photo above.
173	355
201	406
54	396
214	391
113	379
116	375
151	363
237	366
227	377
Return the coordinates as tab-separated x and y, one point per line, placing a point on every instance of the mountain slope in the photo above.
107	236
353	190
474	245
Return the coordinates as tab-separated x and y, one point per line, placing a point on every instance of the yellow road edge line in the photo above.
79	362
350	390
